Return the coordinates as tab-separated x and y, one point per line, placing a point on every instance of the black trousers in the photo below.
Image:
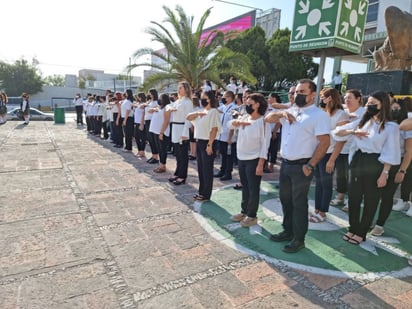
205	167
406	185
182	158
364	171
250	186
342	173
140	137
128	133
388	192
162	145
226	167
293	193
117	131
151	138
79	114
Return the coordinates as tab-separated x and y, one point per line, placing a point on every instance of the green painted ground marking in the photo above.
325	252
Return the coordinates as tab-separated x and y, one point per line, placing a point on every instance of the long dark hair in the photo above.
385	111
163	100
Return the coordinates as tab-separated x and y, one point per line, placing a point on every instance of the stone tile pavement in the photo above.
85	225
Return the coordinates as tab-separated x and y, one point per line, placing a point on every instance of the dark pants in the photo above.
150	138
105	129
140	136
118	131
250	186
205	168
324	185
226	167
98	125
128	133
365	170
342	173
273	149
182	158
293	193
79	114
406	185
162	145
388	192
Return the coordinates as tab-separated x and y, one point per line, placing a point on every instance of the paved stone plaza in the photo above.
85	225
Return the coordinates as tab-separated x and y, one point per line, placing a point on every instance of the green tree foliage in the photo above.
20	77
252	43
272	63
286	66
54	80
186	57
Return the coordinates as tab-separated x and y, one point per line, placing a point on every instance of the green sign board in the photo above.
329	24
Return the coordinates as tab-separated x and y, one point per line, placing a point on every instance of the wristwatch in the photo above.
309	166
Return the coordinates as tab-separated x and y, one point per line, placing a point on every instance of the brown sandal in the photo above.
159	170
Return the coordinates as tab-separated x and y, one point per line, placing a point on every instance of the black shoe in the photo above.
282	236
150	160
153	161
294	246
191	158
226	177
218	175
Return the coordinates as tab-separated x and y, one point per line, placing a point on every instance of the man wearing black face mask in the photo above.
305	140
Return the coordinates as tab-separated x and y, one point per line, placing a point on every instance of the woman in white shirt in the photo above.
180	132
377	148
206	127
150	107
332	104
159	127
127	119
140	133
355	110
252	148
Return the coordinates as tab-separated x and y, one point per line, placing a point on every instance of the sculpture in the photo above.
396	51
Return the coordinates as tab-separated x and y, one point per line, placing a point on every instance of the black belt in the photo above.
178	122
296	162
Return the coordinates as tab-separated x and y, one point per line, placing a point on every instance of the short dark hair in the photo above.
311	83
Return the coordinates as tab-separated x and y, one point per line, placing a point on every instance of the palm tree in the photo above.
188	57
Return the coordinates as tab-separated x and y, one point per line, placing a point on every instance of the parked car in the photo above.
35	114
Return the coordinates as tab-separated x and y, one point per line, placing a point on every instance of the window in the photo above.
372	11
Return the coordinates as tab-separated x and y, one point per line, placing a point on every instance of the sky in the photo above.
68	35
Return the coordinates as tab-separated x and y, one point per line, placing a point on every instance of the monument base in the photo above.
397	82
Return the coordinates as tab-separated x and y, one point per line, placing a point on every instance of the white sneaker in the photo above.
408	205
377	230
399	205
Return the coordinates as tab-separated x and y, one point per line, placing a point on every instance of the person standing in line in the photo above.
273	100
377	149
25	107
117	124
305	140
196	108
160	121
227	139
180	132
78	105
207	125
397	174
337	81
3	107
149	107
127	119
355	110
331	102
232	86
253	144
140	135
85	108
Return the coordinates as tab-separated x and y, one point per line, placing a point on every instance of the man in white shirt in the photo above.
227	139
337	81
305	140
